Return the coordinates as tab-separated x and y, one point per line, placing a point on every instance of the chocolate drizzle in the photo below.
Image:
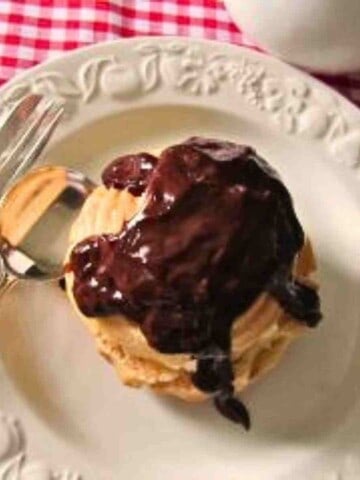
217	230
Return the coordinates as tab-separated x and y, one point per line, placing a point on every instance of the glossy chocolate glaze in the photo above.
217	230
131	172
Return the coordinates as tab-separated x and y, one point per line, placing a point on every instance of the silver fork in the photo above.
25	130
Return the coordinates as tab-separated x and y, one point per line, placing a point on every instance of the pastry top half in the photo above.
192	270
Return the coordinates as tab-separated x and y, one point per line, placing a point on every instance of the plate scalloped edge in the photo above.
297	107
15	463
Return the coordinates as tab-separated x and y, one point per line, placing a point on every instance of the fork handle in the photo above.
6	282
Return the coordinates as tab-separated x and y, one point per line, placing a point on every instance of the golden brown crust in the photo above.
259	337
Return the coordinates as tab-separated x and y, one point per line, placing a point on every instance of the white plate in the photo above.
72	414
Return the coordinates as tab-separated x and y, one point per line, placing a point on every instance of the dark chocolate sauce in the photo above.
218	229
232	408
131	172
62	284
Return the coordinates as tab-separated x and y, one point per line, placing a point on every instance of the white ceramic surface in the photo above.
63	413
322	35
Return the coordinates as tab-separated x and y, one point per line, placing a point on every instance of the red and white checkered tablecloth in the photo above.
34	30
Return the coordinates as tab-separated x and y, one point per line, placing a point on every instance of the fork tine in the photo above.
19	113
25	137
27	149
33	153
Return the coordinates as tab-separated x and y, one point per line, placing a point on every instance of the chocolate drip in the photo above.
62	284
299	300
217	230
232	408
131	172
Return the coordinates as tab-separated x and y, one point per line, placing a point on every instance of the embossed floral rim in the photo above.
299	106
15	463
